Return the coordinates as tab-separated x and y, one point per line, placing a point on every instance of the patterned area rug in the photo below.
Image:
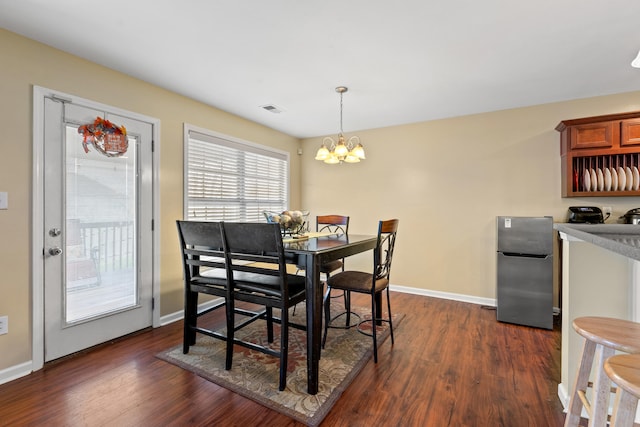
255	375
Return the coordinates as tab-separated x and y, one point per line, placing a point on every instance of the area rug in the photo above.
255	375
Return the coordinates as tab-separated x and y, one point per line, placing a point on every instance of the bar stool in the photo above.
604	336
624	370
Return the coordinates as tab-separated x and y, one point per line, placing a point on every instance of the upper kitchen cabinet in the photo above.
592	135
601	155
630	132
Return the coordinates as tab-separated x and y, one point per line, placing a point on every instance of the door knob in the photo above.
55	251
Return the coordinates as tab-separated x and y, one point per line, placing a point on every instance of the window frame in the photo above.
229	142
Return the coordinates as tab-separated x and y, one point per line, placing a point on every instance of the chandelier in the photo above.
332	152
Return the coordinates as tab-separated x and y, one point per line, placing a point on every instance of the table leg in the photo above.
314	321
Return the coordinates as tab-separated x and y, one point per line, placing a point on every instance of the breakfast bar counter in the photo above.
600	277
623	239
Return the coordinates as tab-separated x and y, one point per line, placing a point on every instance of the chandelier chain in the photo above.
341	131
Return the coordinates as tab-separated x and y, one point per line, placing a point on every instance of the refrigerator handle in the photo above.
520	255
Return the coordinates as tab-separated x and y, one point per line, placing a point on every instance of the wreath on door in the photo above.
107	138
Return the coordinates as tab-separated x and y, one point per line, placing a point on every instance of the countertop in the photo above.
623	239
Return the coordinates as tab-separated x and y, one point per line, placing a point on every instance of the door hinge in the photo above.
153	303
153	225
153	146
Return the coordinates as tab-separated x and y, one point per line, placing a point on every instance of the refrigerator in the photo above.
525	271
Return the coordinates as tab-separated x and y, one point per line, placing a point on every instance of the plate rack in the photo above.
618	173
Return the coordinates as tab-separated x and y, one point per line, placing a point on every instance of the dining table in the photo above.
311	251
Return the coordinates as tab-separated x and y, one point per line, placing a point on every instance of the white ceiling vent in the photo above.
272	108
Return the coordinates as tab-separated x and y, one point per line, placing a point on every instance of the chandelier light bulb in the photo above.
359	151
332	159
351	158
341	150
323	152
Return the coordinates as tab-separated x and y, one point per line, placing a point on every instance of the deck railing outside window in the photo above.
110	244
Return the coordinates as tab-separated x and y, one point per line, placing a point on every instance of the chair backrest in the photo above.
254	250
333	223
202	246
383	255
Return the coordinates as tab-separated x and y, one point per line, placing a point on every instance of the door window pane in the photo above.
100	238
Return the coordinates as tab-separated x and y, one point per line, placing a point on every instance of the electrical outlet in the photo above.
4	325
606	210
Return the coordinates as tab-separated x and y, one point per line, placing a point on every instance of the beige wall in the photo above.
446	185
26	63
448	181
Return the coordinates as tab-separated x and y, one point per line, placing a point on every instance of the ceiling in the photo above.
403	61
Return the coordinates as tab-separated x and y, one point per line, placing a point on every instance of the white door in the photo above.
97	231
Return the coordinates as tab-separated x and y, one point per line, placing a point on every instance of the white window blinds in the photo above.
233	181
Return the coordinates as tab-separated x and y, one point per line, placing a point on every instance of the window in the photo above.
232	180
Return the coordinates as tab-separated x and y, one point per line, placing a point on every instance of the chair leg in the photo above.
374	317
347	306
294	307
389	311
190	320
284	348
270	324
230	315
624	409
580	383
326	302
601	389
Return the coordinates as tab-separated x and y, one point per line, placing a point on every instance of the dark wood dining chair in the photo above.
338	224
372	283
257	273
204	267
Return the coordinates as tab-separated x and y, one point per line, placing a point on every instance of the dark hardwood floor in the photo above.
452	364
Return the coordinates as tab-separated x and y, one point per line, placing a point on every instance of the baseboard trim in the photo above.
456	297
179	315
563	395
444	295
17	371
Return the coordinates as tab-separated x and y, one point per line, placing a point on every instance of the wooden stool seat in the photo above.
603	336
624	370
618	334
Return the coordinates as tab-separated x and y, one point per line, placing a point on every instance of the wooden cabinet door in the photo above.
594	135
630	130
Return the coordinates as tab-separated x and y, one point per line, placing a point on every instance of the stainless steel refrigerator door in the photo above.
525	290
525	235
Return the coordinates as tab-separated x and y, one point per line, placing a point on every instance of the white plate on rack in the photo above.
627	170
587	180
594	180
600	179
614	179
636	179
622	179
607	179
